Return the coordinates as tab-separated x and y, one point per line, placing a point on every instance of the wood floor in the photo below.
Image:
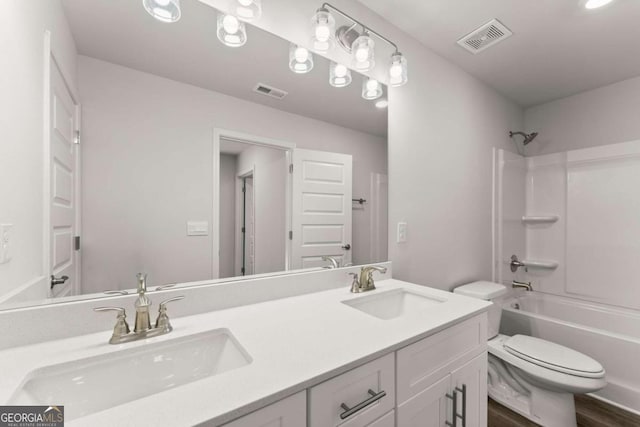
590	412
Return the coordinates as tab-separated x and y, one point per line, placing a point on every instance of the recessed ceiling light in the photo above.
383	103
594	4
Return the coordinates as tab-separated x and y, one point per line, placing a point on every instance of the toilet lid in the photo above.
553	356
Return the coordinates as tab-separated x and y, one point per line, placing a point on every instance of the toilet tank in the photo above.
488	291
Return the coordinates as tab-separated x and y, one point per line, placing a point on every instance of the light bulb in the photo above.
371	89
246	10
322	33
339	75
340	70
301	54
230	24
398	70
245	2
163	10
362	54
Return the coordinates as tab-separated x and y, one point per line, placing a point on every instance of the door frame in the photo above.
49	61
246	138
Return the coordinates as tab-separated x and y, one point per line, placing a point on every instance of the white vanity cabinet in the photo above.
443	374
422	384
288	412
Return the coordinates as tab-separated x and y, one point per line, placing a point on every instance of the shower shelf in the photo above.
540	219
541	264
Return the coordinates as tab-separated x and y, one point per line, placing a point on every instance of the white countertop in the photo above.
294	342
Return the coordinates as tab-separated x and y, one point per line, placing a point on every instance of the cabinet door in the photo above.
429	408
289	412
470	382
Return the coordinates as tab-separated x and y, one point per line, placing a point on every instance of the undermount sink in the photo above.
391	304
93	384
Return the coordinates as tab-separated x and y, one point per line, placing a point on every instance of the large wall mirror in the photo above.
172	154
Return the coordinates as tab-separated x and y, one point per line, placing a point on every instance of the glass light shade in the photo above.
300	59
247	10
231	31
362	53
398	70
163	10
371	89
339	75
323	29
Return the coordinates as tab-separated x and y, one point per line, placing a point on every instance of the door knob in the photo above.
58	280
346	247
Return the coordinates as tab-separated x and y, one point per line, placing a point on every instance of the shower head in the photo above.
528	137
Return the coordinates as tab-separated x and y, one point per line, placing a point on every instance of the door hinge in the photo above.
76	243
76	137
242	271
243	230
291	168
290	235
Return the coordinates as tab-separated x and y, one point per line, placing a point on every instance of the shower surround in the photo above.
574	218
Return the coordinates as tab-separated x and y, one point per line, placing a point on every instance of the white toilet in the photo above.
531	376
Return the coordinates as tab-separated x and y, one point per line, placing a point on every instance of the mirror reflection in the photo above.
172	154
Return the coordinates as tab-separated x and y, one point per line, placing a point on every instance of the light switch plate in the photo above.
197	228
6	239
402	232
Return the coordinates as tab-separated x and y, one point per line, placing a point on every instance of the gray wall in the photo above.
227	214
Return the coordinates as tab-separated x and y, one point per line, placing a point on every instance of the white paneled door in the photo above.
62	185
321	220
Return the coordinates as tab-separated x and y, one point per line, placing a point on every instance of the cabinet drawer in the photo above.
352	390
386	421
288	412
423	363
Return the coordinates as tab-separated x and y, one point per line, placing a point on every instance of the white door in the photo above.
321	220
62	187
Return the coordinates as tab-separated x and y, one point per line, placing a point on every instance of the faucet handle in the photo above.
162	322
163	287
122	327
355	285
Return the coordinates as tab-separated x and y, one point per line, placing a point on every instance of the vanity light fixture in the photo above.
163	10
371	89
356	39
300	59
323	29
595	4
247	10
231	31
339	75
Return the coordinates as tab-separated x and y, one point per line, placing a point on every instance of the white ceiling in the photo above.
558	49
121	32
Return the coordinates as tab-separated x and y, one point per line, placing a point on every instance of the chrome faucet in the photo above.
142	327
365	282
522	285
332	260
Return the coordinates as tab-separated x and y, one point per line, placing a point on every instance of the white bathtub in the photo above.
611	335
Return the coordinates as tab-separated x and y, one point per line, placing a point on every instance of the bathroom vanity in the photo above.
396	355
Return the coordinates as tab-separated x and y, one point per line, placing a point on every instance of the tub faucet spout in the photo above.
522	285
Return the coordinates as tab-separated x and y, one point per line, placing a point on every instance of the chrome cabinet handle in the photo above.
454	398
346	247
58	280
463	417
373	397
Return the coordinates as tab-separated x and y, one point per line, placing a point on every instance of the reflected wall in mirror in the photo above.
154	130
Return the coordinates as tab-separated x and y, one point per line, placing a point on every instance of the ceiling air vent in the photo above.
486	36
270	91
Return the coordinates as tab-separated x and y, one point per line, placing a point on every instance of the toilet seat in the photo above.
553	356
